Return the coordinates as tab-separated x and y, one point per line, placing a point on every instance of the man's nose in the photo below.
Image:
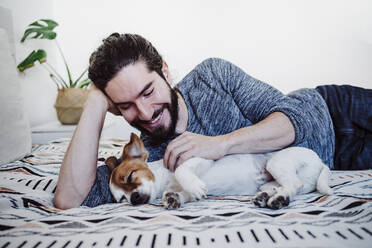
145	111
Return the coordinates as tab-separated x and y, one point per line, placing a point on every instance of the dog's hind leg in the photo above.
265	192
283	169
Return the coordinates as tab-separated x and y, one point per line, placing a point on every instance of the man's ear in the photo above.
165	70
135	149
112	162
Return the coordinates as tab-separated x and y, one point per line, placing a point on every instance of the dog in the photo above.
274	178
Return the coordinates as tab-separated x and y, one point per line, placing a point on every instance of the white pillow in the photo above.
15	134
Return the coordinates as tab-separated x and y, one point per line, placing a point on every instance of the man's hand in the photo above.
189	145
98	95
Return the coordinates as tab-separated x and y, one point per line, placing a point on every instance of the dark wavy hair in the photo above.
118	51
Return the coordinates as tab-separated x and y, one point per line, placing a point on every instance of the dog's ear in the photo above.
112	162
135	149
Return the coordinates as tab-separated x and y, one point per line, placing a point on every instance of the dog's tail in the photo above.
322	184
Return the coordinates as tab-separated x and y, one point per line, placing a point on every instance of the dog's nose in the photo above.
137	198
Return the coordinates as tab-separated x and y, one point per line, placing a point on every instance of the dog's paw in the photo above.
260	200
278	202
171	200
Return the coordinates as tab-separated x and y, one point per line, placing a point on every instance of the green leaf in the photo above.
41	30
39	55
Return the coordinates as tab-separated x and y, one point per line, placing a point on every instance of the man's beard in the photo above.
161	134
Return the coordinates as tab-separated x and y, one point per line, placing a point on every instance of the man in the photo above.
216	110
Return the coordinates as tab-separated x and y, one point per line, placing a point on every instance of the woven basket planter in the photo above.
69	104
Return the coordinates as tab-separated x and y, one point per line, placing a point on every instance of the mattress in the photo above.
29	219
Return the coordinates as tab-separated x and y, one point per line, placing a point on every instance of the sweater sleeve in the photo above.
156	152
100	192
256	99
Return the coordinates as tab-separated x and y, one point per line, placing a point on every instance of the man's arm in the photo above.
277	120
79	166
274	132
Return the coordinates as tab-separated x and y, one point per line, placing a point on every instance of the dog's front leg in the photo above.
174	196
186	176
171	198
186	186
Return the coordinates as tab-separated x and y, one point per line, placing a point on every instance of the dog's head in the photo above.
132	179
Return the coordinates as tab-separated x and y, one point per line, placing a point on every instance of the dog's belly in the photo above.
237	175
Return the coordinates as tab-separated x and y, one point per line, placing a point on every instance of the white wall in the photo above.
289	44
38	90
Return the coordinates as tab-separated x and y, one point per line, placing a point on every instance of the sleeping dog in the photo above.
274	177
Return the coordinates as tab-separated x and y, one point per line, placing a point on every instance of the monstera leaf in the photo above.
41	30
39	55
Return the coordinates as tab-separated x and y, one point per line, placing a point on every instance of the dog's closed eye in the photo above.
129	178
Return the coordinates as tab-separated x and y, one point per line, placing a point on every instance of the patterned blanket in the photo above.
28	218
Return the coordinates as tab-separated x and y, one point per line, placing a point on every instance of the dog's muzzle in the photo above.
137	198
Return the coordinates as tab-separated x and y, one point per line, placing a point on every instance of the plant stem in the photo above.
51	75
78	79
54	80
64	60
51	68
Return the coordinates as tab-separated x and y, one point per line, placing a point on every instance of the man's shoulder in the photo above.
209	65
212	62
306	94
206	72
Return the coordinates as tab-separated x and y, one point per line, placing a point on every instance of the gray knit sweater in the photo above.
221	98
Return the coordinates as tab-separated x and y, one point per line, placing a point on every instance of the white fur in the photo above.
117	192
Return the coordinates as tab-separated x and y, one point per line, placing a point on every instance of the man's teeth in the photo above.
156	119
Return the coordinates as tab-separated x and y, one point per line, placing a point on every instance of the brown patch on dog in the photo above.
134	163
138	170
112	162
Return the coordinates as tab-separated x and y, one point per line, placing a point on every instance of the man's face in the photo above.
145	100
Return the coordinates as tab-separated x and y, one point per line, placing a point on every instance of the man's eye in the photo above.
149	93
124	107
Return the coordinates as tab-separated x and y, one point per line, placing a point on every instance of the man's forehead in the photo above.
130	81
134	73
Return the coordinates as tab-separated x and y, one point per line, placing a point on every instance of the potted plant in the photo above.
71	93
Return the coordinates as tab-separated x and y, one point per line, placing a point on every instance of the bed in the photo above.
29	219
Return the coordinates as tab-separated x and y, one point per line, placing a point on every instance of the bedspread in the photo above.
29	219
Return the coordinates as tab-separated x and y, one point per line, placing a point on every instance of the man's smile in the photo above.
154	122
162	123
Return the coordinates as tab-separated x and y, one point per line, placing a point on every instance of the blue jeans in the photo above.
351	111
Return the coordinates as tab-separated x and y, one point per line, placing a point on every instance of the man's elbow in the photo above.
60	201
